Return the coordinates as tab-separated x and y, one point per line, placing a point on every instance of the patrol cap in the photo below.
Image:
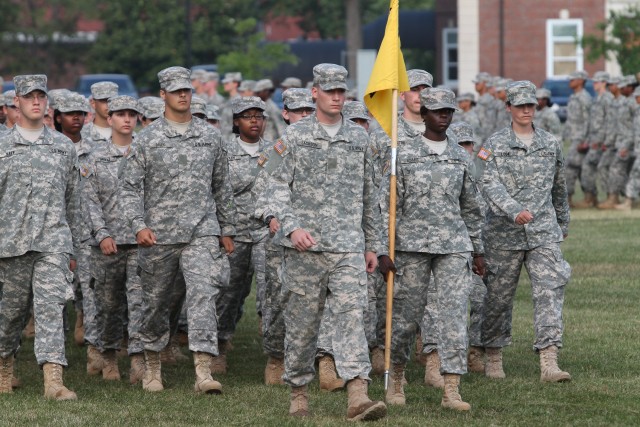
290	82
55	95
8	98
355	110
264	84
212	75
104	90
123	102
614	80
175	78
466	96
27	83
438	98
636	92
482	77
244	103
543	93
521	92
197	74
152	108
232	77
198	105
501	84
213	112
247	85
601	76
628	80
579	74
462	131
72	102
330	76
419	77
296	98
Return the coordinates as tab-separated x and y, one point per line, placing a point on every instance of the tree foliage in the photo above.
623	42
251	55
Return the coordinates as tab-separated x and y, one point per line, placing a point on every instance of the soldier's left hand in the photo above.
73	264
479	266
372	261
227	243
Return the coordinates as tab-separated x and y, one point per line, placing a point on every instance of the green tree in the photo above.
251	55
623	42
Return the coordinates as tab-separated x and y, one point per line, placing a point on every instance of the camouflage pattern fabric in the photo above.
633	184
619	169
547	119
596	137
575	131
274	125
274	302
611	134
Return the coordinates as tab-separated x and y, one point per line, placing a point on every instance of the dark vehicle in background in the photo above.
8	85
124	82
560	93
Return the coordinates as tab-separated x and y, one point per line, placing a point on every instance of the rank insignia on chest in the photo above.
280	147
262	160
84	171
484	153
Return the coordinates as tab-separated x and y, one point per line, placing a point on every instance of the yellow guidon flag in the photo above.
389	72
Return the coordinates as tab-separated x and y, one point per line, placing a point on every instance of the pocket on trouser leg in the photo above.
554	270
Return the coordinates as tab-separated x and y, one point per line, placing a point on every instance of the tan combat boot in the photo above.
54	389
589	201
204	382
78	330
432	376
475	359
377	361
612	200
219	362
624	206
167	357
395	392
152	378
136	372
110	371
360	407
299	406
273	371
174	346
30	329
6	374
329	380
549	370
451	397
95	361
493	367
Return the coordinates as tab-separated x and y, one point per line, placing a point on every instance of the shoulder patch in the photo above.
262	159
484	153
84	171
280	147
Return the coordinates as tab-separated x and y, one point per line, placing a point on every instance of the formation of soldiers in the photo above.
158	233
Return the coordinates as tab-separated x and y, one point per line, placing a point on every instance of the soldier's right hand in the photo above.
524	217
302	240
274	226
108	246
146	238
385	265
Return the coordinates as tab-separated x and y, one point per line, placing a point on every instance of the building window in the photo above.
564	53
450	57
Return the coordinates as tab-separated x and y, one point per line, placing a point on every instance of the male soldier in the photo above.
198	107
196	81
230	84
211	89
357	112
503	118
633	184
246	88
439	225
152	108
598	116
619	169
11	111
319	180
608	145
527	218
114	254
290	83
298	104
274	125
575	129
39	233
468	114
545	118
213	115
484	109
99	130
179	162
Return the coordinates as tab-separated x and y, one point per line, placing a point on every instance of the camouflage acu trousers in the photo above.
243	262
476	312
452	274
603	168
590	170
618	173
549	273
573	167
118	296
429	322
82	280
313	281
170	274
633	184
274	302
46	278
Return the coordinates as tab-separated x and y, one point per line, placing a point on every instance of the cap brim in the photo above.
333	85
525	101
31	89
178	85
441	106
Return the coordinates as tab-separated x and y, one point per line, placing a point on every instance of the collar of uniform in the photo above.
84	146
235	149
193	131
320	133
409	130
45	138
514	142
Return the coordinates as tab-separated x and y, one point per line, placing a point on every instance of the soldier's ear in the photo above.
163	94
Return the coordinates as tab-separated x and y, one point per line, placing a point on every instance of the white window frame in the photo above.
579	58
445	56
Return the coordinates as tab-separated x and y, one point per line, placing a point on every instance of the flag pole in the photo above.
392	236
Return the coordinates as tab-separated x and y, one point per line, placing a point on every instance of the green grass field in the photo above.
601	352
